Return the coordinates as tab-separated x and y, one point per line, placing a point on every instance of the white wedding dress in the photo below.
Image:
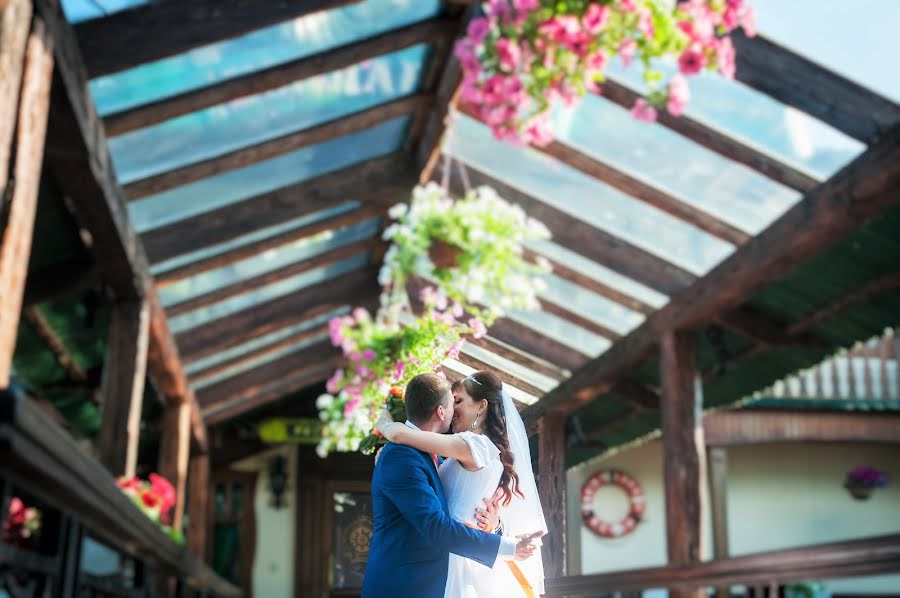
465	490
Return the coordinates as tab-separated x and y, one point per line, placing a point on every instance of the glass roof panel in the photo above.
663	158
267	261
545	383
262	341
741	112
84	10
514	392
255	51
245	366
591	305
586	198
855	39
248	121
562	331
265	293
230	187
600	273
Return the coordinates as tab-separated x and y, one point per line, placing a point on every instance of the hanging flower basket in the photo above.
443	255
860	481
858	492
22	526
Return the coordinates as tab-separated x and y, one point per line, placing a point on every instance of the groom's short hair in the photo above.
424	394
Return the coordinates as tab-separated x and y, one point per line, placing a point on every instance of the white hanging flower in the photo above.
397	211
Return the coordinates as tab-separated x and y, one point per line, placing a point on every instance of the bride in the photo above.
486	457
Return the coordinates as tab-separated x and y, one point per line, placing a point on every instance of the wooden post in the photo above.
681	421
15	243
552	488
718	472
15	20
123	386
198	513
174	452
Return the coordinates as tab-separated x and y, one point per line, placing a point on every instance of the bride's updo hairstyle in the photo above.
485	385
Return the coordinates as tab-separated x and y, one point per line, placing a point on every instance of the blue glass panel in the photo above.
84	10
266	293
261	341
267	261
591	305
586	198
230	187
661	157
562	331
856	39
255	51
790	135
252	120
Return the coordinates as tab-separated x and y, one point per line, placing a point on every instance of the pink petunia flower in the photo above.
478	30
595	18
692	60
627	50
643	111
679	95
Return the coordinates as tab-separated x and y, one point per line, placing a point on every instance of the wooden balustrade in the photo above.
868	556
38	457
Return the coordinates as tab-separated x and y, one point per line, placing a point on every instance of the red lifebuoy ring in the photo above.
637	503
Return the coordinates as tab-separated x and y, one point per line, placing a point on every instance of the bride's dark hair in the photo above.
485	385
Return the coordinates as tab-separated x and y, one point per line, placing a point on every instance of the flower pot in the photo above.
859	492
442	254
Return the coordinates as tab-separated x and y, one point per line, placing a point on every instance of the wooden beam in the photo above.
318	299
532	342
31	126
15	24
123	387
198	499
174	451
151	32
520	357
799	82
591	242
35	318
760	328
718	497
578	320
266	150
320	260
302	378
635	394
552	490
505	377
738	428
285	343
717	141
682	449
251	382
866	556
375	181
866	292
79	158
604	290
638	189
428	150
255	248
257	82
860	191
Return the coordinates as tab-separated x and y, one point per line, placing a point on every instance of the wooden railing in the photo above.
39	458
869	556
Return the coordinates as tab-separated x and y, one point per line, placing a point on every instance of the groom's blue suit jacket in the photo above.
414	534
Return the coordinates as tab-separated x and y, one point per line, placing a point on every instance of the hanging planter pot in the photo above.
443	255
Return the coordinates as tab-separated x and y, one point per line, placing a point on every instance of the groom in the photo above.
414	535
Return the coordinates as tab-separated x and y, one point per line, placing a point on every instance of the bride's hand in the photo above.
525	547
383	424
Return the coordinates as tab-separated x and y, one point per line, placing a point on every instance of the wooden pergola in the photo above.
215	368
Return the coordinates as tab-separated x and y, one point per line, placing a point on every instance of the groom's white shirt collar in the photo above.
409	424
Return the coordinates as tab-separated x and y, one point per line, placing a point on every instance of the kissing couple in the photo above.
430	537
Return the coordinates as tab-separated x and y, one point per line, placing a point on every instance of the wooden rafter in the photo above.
57	346
15	24
257	82
520	357
320	260
591	242
533	342
760	328
150	32
246	156
280	240
300	378
560	311
646	193
717	141
807	86
741	427
354	288
270	349
79	158
861	191
373	181
507	378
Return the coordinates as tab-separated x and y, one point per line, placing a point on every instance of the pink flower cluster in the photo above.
22	524
524	56
156	497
